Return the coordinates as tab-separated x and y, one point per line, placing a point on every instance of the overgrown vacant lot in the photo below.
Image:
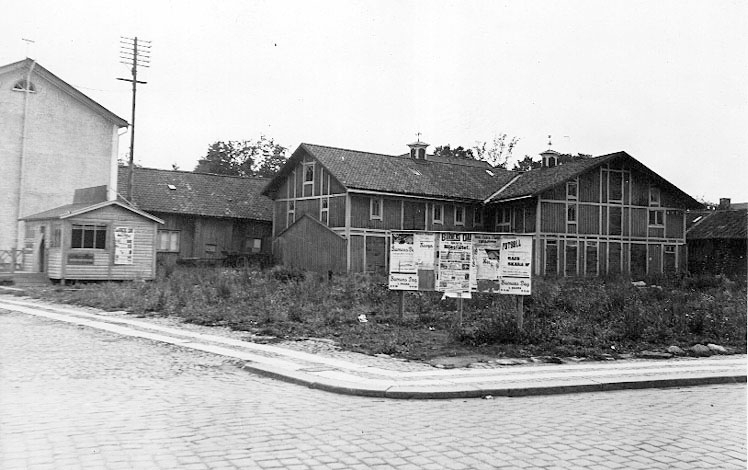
589	318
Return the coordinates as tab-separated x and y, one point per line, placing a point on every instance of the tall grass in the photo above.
563	316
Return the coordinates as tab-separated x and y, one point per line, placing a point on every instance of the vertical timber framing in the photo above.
348	231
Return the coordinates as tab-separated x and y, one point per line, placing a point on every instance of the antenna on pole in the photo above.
28	42
136	53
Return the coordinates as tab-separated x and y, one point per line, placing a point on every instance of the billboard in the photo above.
459	263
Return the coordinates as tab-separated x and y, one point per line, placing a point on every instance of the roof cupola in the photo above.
418	149
550	156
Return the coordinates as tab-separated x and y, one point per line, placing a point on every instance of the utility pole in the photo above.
134	53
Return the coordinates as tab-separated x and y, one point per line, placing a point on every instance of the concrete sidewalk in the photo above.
358	374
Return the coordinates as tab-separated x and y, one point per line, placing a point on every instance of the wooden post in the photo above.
401	309
520	311
13	260
460	310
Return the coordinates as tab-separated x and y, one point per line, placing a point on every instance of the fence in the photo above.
11	261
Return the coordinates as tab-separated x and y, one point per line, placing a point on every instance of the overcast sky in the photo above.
664	81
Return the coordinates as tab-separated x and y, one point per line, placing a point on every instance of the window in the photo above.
657	217
168	240
24	85
422	154
375	208
478	216
291	213
308	187
254	245
437	213
615	189
504	219
654	196
324	210
88	236
459	215
571	190
571	213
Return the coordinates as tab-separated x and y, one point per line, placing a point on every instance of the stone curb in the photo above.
441	392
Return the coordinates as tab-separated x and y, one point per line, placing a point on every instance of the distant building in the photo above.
206	216
718	242
335	208
53	140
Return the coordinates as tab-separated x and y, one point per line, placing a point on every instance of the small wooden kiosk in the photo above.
107	240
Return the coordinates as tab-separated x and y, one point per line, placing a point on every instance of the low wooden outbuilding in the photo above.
95	241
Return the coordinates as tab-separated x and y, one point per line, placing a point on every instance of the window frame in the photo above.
615	174
661	213
434	219
655	201
459	210
503	219
324	210
372	205
575	185
96	229
478	217
290	213
170	233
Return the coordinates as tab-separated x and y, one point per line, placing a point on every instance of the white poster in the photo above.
403	281
486	250
402	256
124	245
515	265
424	246
455	262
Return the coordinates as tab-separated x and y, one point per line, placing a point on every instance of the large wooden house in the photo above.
334	209
206	217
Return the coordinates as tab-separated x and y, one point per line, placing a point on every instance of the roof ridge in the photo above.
200	173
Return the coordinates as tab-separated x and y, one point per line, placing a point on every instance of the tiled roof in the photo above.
197	193
538	180
721	224
436	177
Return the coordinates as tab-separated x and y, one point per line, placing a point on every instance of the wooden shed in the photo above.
108	240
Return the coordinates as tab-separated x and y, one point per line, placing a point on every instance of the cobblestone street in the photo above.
72	397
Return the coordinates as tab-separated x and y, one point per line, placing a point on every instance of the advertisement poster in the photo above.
455	262
424	245
515	265
402	256
124	244
486	250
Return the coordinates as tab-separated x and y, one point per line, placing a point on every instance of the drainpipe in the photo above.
23	152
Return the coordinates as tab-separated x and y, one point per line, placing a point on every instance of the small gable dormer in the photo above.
418	150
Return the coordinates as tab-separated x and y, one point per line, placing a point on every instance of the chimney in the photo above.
724	204
418	149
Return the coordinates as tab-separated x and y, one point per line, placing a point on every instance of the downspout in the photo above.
23	150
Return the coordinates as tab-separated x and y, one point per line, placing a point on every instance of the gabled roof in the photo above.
449	178
73	210
729	224
539	180
200	194
27	63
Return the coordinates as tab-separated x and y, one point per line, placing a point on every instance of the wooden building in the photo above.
206	216
588	216
718	242
89	240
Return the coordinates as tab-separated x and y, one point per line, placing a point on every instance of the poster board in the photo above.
458	263
124	244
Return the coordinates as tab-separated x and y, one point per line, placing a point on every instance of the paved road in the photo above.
71	397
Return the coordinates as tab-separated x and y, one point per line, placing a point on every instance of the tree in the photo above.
526	164
262	157
457	152
498	152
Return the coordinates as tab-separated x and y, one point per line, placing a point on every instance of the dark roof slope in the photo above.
197	193
721	224
27	63
436	177
70	210
536	181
